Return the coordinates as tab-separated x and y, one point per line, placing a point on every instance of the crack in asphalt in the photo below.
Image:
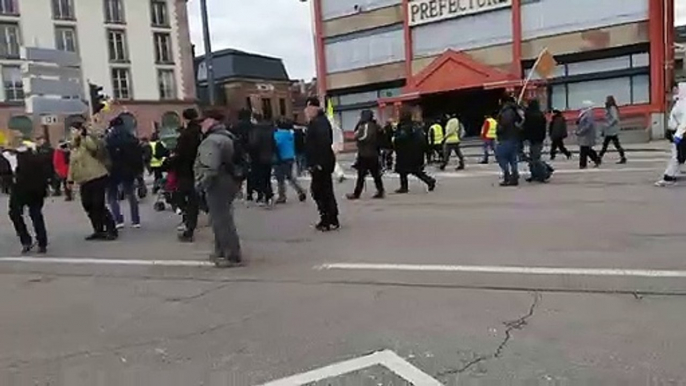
510	327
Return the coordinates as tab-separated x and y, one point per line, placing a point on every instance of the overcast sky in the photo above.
279	28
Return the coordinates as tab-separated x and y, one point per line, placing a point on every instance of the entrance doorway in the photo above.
471	107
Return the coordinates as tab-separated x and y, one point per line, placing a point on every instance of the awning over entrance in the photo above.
453	71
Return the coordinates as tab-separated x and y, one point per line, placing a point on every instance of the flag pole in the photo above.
531	74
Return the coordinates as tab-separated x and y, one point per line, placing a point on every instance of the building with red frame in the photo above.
438	55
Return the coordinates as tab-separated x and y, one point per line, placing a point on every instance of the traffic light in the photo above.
97	98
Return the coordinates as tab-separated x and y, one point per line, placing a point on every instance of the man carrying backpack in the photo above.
127	164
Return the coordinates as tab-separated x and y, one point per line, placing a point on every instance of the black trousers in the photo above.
421	174
586	152
93	202
324	196
189	202
615	141
263	181
158	175
368	166
35	205
558	145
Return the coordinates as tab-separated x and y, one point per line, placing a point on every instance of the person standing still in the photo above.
60	160
611	129
586	135
214	176
29	190
87	167
558	133
488	135
534	128
127	164
367	136
182	163
321	161
285	160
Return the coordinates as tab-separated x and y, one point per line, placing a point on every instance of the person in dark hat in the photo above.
321	161
182	162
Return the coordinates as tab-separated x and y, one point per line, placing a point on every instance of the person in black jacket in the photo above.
534	132
6	174
127	164
262	150
182	162
410	146
241	131
367	135
558	133
321	161
29	190
509	139
299	139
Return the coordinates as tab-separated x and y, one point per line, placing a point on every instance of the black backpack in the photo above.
240	162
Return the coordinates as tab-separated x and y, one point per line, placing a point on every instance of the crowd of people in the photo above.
213	163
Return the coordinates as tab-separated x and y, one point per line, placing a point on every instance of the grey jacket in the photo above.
214	163
611	127
585	130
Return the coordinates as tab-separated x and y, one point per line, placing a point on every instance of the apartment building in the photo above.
139	51
461	55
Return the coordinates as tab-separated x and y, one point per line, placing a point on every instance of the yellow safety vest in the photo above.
437	134
452	131
492	128
154	161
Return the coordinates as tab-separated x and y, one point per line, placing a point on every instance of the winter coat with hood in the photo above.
31	176
367	136
508	123
586	127
677	117
262	147
83	164
410	145
214	163
125	153
534	124
318	143
186	151
558	127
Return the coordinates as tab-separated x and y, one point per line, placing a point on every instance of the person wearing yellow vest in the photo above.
451	141
435	139
488	135
158	154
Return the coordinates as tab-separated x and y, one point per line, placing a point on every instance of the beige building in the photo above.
139	51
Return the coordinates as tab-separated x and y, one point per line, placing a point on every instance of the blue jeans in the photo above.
507	154
130	194
283	171
488	144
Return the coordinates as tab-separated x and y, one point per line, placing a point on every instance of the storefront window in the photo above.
626	90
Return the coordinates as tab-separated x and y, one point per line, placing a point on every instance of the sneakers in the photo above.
432	186
120	225
136	226
26	249
281	200
664	183
352	196
622	161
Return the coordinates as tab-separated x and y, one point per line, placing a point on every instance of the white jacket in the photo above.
677	117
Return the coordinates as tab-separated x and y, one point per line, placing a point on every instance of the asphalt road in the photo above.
580	281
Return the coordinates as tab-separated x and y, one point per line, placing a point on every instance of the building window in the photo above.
65	38
117	46
14	87
9	7
160	16
63	9
163	48
282	107
114	12
626	90
267	112
9	40
121	83
167	84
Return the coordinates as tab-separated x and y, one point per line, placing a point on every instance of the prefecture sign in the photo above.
431	11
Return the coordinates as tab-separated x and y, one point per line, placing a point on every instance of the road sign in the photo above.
49	120
46	86
45	105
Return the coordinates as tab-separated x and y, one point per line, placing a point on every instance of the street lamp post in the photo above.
209	65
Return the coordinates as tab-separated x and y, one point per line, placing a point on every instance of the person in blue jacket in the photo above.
285	159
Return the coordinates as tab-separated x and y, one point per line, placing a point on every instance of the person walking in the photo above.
45	152
215	177
586	135
299	141
158	154
29	190
367	135
60	163
262	149
435	140
88	168
611	129
127	164
488	136
337	147
410	143
6	172
182	163
321	161
386	146
509	139
451	142
285	161
534	128
241	130
675	134
558	133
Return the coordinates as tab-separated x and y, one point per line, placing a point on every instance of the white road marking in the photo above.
86	261
385	358
652	273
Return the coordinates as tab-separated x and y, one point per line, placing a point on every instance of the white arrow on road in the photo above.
386	358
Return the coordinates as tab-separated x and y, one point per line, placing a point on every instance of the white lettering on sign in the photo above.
431	11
